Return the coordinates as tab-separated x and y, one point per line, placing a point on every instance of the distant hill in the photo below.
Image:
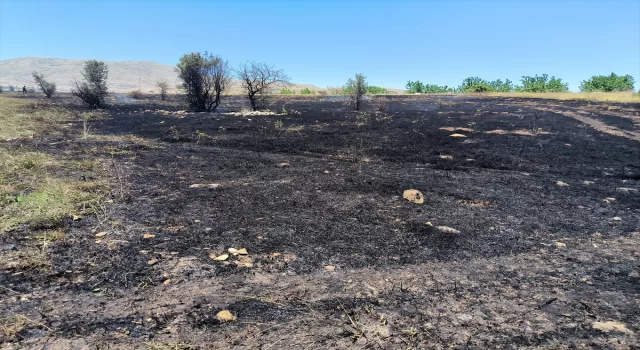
124	76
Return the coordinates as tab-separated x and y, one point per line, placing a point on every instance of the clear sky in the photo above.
325	42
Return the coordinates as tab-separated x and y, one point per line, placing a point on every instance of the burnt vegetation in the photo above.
205	79
257	80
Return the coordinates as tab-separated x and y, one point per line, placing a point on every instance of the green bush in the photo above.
475	84
135	94
542	83
414	87
164	88
608	83
357	88
376	90
500	86
93	90
306	91
286	91
47	87
205	79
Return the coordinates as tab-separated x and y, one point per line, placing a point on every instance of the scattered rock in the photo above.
617	218
152	261
101	234
225	316
222	257
445	156
284	165
609	200
447	229
562	184
330	268
587	182
611	326
235	251
166	282
148	236
457	135
326	171
626	189
413	196
383	331
76	217
212	186
465	317
560	245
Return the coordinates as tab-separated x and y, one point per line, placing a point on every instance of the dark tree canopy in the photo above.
205	78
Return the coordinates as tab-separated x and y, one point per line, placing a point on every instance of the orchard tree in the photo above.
356	90
257	80
608	83
205	79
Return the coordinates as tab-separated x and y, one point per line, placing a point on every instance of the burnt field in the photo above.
528	236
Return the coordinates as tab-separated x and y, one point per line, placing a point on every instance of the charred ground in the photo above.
545	196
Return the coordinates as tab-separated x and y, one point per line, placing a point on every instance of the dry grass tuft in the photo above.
22	118
622	96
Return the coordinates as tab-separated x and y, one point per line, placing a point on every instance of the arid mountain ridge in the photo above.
124	76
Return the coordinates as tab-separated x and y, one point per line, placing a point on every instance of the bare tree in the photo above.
93	89
356	90
48	88
205	79
164	87
257	79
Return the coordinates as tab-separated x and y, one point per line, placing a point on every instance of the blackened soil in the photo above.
321	195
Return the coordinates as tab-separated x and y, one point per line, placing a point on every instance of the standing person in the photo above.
24	90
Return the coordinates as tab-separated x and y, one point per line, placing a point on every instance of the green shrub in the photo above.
418	87
475	84
376	90
205	79
437	89
47	87
286	91
135	94
608	83
542	83
357	88
414	87
306	91
500	86
164	88
93	89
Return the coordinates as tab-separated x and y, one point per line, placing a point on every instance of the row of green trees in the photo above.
537	83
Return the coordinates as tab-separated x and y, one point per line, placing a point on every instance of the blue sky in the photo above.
325	42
